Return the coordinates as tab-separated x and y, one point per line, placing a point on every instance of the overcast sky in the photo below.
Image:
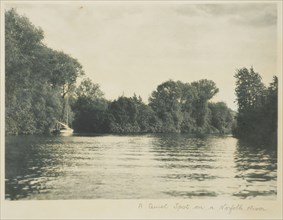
133	47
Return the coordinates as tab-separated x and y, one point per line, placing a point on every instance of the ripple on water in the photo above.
144	166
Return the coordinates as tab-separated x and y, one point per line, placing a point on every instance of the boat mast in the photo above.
67	103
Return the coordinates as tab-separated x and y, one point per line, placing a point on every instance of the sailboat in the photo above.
62	128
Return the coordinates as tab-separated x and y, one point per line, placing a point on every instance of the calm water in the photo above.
138	167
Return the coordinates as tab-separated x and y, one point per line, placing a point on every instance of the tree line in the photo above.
257	107
39	80
173	107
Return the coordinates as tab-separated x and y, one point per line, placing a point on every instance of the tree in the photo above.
89	89
34	99
250	93
90	109
165	102
172	108
22	41
270	112
257	113
63	75
204	91
147	119
249	89
221	117
123	114
182	107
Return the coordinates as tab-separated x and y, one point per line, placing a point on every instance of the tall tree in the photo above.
249	89
257	112
32	91
270	111
204	90
165	101
64	72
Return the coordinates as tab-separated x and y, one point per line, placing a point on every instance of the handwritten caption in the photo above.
228	208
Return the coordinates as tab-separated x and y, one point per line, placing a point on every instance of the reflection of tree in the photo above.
184	148
257	166
30	163
187	162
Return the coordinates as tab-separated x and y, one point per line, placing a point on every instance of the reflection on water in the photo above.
257	165
141	166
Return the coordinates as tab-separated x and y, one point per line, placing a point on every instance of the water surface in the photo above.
138	167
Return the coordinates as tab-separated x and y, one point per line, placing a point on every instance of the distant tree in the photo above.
90	109
89	89
172	108
221	117
189	95
147	119
183	107
123	115
204	91
165	102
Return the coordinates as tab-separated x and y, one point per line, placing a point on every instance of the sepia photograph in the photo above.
161	106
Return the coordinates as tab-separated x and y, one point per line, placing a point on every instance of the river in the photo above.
137	167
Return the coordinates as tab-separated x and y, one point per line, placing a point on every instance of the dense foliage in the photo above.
90	108
41	88
257	114
38	79
173	107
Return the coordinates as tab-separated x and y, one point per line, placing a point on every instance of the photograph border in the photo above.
139	209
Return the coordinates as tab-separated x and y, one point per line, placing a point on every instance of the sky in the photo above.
132	47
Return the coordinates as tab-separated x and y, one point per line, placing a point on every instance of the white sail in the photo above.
64	125
64	130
